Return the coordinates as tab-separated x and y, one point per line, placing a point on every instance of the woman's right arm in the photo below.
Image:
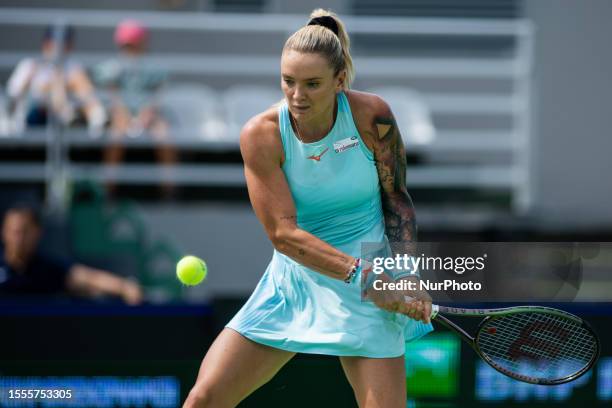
271	198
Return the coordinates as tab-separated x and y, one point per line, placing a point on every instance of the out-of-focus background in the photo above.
119	121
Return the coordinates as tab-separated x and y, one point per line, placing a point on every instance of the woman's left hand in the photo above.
414	304
417	303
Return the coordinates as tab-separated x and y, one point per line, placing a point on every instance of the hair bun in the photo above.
325	21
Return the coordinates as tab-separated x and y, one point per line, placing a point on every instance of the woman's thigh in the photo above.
233	368
377	382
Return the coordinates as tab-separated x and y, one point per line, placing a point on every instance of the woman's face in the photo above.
309	84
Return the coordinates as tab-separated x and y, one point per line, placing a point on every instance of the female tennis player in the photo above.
325	172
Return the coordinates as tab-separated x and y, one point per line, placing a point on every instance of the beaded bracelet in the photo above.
353	271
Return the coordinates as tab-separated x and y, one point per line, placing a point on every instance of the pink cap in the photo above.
130	32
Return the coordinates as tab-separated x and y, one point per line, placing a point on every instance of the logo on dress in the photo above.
346	144
318	157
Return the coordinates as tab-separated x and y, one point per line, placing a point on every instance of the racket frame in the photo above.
492	314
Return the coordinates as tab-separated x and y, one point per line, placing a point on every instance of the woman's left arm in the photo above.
390	156
400	223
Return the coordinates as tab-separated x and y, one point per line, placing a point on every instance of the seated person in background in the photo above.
133	87
26	270
54	83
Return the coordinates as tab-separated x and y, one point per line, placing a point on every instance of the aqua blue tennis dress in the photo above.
334	184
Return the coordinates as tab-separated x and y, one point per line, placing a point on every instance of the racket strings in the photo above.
540	350
545	342
537	344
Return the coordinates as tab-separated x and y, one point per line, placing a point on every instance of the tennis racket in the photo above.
533	344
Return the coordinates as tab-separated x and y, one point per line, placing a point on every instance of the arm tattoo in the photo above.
398	210
288	218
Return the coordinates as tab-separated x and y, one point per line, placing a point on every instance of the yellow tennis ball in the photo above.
191	270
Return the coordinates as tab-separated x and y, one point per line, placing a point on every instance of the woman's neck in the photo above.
318	127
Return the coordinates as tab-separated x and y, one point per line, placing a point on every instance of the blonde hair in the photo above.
321	40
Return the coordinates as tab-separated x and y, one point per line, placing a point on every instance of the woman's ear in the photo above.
340	78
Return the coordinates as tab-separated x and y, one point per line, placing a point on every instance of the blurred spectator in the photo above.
133	87
24	269
56	83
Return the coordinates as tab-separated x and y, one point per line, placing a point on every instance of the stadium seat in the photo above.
10	126
242	102
193	111
4	120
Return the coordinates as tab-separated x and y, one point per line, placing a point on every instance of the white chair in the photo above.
243	102
411	112
11	125
193	111
4	117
